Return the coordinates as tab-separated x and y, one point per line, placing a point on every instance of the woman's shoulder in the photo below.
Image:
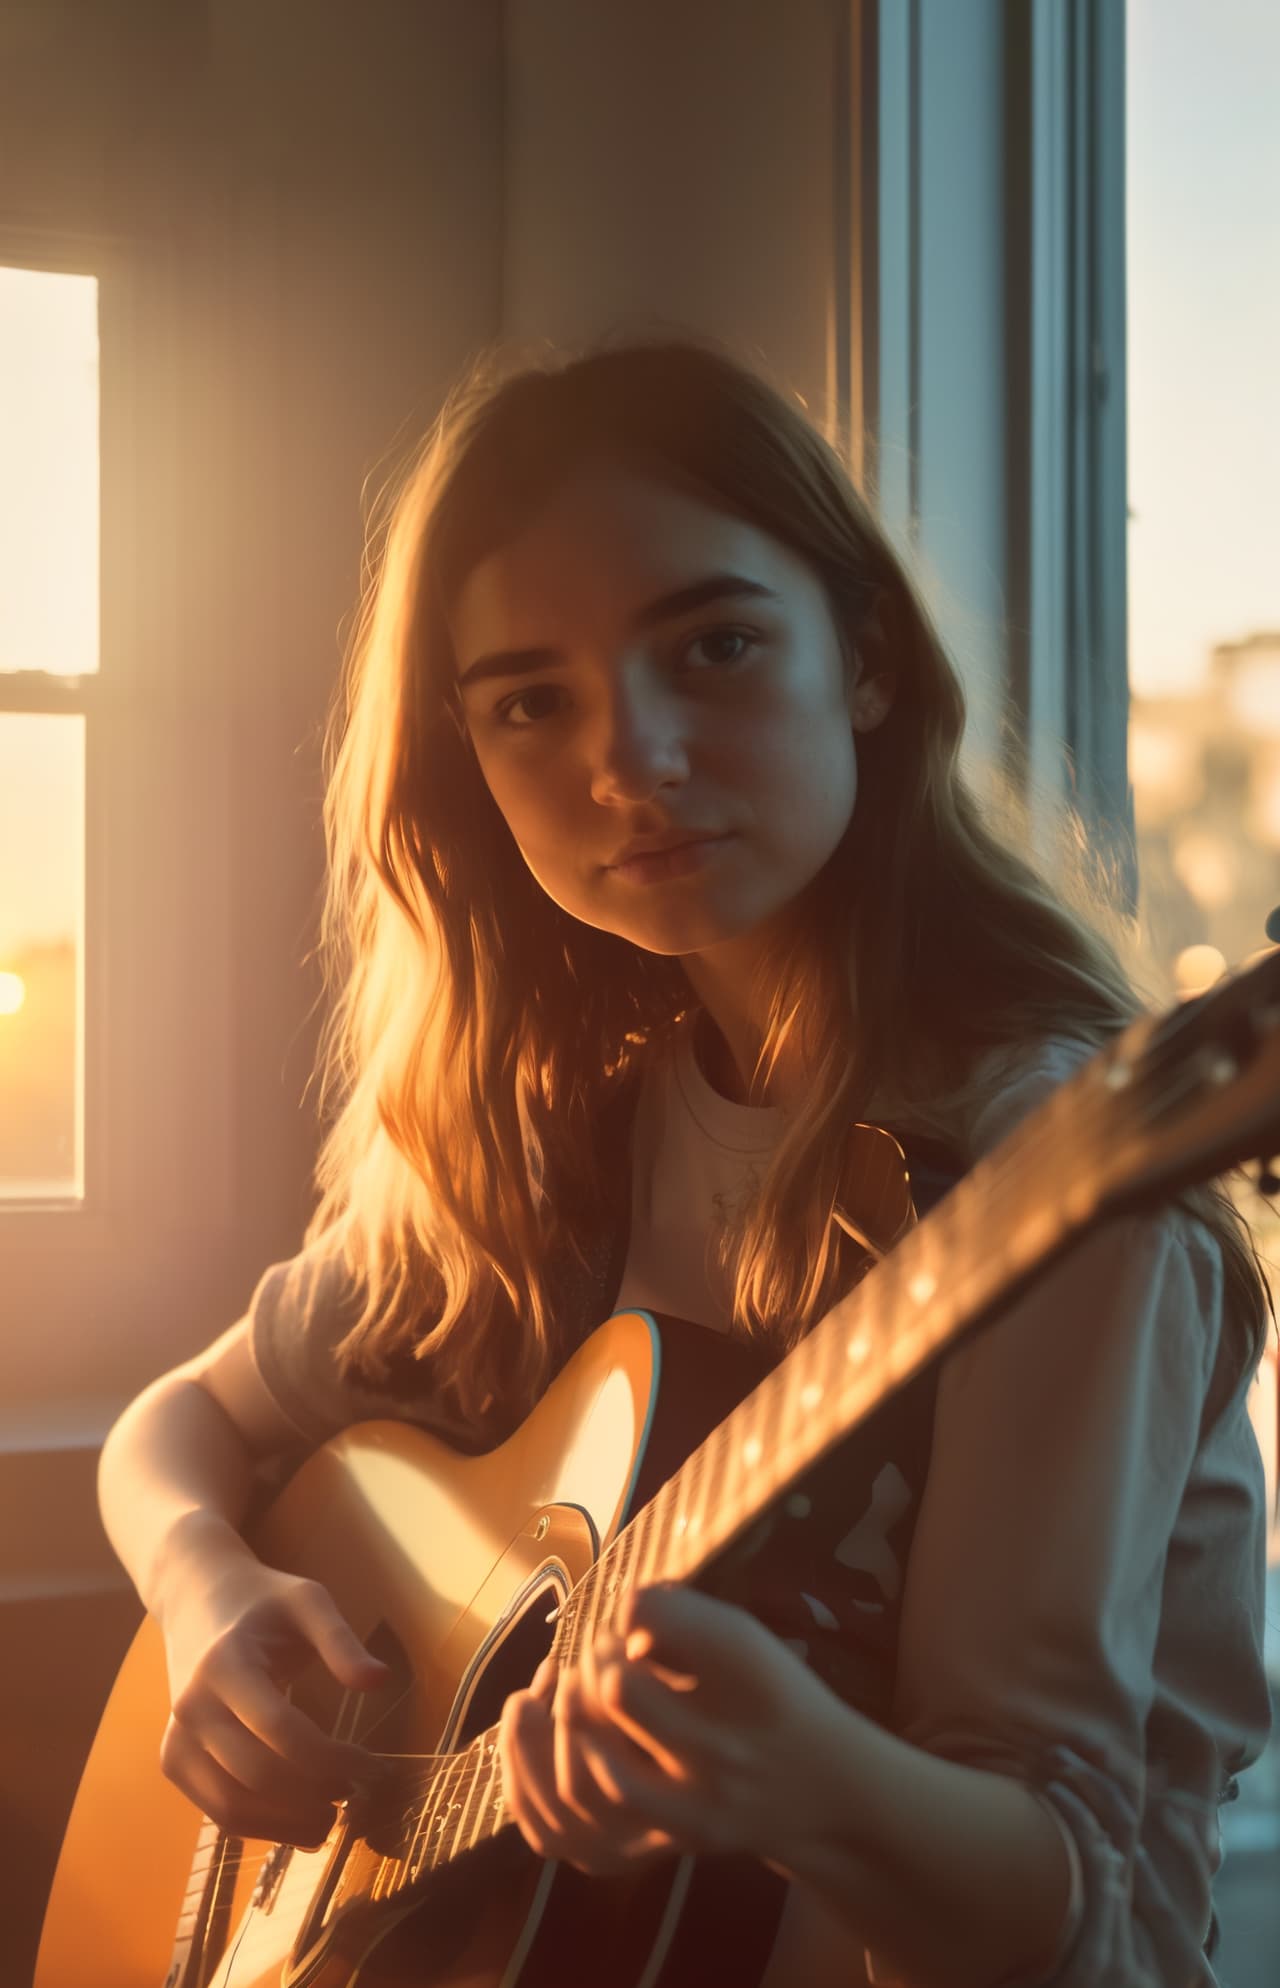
301	1311
313	1291
1000	1086
1011	1081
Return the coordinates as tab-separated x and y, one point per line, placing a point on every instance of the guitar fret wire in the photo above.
471	1779
630	1563
588	1619
440	1811
449	1828
642	1561
418	1842
495	1800
482	1779
713	1479
422	1827
661	1510
424	1830
619	1560
439	1815
569	1626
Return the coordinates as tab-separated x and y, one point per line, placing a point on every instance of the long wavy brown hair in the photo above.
476	1030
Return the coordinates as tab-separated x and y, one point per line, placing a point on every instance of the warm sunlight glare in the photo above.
1197	967
13	993
48	472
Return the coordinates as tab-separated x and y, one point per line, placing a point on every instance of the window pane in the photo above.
48	472
1203	161
41	952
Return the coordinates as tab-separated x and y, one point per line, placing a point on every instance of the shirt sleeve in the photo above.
299	1312
1065	1435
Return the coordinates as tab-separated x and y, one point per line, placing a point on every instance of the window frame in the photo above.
140	721
1058	469
1072	673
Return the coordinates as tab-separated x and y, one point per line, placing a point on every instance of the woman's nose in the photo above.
638	747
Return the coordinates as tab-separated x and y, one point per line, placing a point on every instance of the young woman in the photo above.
652	874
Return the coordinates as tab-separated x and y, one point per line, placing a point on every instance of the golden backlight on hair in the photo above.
477	1031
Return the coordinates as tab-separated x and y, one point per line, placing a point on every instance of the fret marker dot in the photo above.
859	1348
922	1287
752	1450
682	1523
811	1395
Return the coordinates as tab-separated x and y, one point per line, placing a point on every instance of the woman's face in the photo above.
604	710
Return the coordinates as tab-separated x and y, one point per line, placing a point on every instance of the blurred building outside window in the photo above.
1203	258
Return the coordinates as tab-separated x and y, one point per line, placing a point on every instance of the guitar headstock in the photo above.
1187	1095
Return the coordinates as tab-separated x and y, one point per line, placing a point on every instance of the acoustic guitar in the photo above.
463	1571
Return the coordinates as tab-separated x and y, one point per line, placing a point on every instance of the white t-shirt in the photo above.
694	1153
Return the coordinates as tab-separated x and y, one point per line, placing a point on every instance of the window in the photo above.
115	1104
1203	160
49	646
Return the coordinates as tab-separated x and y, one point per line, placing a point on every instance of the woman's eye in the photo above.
718	635
527	708
505	712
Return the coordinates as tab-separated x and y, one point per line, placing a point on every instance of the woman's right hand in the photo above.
235	1637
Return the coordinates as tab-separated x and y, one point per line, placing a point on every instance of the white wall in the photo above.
676	162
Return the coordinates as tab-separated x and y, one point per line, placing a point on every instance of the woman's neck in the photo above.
732	1028
729	1073
716	1061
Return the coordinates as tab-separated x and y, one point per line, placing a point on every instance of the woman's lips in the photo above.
661	864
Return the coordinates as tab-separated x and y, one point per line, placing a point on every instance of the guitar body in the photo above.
447	1566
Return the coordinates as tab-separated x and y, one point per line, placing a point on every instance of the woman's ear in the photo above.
874	678
870	700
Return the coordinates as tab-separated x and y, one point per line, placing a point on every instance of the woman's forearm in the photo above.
950	1876
174	1483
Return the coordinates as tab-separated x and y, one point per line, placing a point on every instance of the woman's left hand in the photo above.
692	1729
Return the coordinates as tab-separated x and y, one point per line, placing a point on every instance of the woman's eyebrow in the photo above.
716	587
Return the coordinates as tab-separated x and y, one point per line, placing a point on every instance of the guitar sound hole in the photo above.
378	1719
511	1664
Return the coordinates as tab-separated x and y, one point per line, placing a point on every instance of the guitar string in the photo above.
1156	1057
